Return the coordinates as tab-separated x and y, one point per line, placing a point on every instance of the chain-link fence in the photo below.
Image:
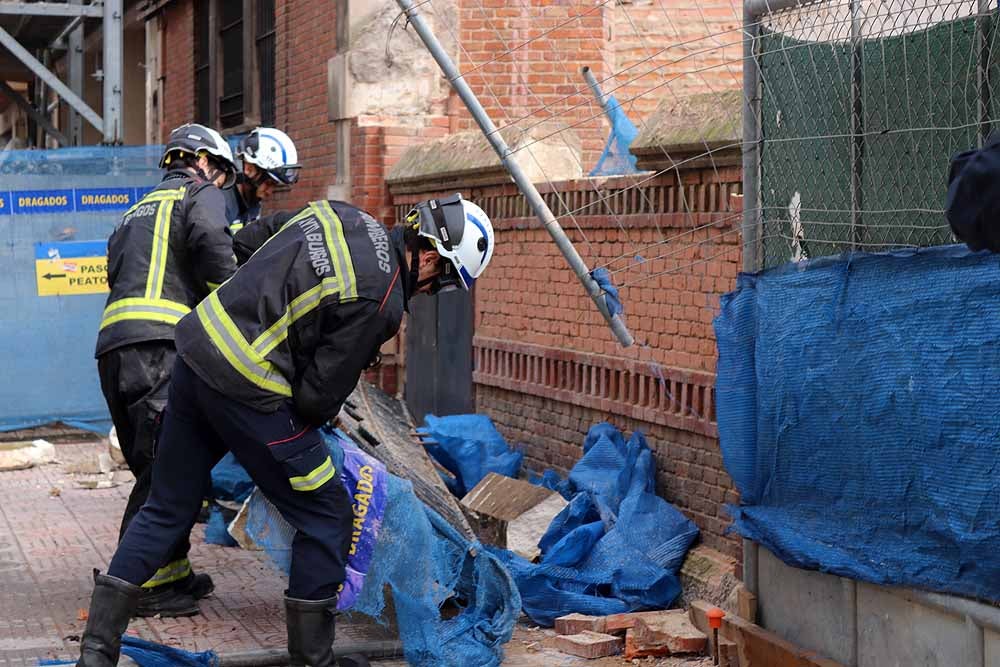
861	105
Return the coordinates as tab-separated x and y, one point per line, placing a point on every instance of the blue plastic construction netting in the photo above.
858	418
57	209
149	654
404	557
616	547
616	160
469	447
421	561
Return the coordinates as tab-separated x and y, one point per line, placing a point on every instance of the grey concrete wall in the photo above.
862	625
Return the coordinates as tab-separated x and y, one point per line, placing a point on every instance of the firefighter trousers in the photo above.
135	380
285	457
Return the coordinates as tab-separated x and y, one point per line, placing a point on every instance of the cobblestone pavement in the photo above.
52	536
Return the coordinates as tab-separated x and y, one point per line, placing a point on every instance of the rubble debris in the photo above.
572	624
524	532
381	426
589	644
622	622
670	632
710	575
115	449
23	455
95	464
97	482
502	508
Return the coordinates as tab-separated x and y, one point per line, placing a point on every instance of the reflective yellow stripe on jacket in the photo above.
151	307
138	308
343	281
161	242
230	342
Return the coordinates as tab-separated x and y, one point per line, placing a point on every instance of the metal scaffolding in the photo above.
66	20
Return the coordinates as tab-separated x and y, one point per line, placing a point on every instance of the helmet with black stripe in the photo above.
196	140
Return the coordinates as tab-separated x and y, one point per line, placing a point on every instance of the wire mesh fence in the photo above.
861	105
856	107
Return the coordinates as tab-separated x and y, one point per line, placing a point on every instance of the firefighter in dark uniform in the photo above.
270	163
262	362
167	253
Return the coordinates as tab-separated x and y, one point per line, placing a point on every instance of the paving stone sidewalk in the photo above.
52	536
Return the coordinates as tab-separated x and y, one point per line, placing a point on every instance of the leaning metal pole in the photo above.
527	188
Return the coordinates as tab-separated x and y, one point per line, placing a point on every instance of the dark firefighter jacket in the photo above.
238	212
167	253
304	316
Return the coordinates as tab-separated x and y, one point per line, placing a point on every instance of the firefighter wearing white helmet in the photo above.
270	162
459	232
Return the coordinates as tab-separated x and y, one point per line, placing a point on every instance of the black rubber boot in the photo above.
198	586
310	631
353	660
166	602
111	607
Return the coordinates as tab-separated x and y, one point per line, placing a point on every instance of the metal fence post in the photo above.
857	126
752	218
527	188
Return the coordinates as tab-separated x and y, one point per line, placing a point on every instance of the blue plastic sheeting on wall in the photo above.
51	197
616	158
616	547
857	414
469	447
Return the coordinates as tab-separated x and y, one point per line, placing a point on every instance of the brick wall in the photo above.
546	366
178	66
543	78
306	39
673	50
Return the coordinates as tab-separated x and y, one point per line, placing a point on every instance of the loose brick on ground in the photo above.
617	623
572	624
589	644
672	630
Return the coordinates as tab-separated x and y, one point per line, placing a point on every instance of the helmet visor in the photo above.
287	176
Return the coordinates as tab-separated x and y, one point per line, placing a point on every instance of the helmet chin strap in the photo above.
252	199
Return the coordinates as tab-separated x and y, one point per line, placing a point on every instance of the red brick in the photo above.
589	644
634	650
672	630
572	624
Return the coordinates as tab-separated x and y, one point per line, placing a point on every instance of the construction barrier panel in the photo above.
57	209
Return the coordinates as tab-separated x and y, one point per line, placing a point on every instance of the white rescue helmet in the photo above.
274	152
196	140
462	235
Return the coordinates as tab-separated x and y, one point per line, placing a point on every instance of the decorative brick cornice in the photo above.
672	397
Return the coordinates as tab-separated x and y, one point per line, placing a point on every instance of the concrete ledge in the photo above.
681	130
550	151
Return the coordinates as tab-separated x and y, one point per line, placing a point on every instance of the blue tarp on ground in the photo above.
469	447
858	415
616	547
